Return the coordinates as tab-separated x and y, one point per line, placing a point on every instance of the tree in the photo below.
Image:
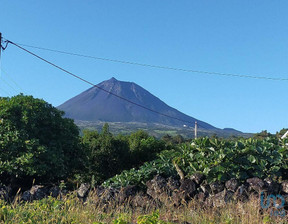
144	147
36	141
178	139
281	132
263	134
106	155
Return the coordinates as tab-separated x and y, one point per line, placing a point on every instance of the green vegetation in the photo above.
35	141
107	155
217	159
71	210
157	130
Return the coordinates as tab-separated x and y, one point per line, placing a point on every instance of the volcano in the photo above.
127	106
94	104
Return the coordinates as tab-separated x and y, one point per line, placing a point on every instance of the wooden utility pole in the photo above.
195	129
0	44
2	48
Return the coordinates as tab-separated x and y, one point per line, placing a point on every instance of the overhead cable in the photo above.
97	86
158	66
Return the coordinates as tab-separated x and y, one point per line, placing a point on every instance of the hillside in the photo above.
96	106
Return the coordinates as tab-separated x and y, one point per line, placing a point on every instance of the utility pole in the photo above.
2	48
195	129
0	44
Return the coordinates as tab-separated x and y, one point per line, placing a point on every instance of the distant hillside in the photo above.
95	105
156	130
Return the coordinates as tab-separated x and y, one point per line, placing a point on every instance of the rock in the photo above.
173	184
284	186
256	184
107	195
206	188
157	187
125	193
4	193
201	196
241	194
54	192
142	200
232	184
272	186
198	178
83	190
188	188
99	190
285	196
37	192
216	187
186	191
221	199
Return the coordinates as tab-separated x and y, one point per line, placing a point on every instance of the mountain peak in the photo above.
112	80
95	104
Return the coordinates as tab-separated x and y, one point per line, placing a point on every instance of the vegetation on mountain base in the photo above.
218	160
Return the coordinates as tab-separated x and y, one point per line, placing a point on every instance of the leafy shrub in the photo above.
143	147
108	155
35	141
162	165
222	160
217	159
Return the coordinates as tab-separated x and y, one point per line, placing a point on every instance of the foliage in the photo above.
222	160
217	159
143	147
35	141
263	134
177	139
281	132
150	219
107	155
162	165
71	210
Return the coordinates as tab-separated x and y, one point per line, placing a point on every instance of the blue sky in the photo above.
242	37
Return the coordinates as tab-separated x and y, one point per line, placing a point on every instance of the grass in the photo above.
71	210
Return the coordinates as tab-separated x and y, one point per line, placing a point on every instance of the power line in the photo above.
8	84
90	83
157	66
7	92
4	91
11	79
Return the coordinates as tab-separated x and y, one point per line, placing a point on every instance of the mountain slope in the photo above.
95	104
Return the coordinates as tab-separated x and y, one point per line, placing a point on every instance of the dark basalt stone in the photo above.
232	184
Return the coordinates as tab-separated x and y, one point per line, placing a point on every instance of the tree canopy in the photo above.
36	141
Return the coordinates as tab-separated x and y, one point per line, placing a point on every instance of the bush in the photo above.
144	147
218	160
36	142
105	155
108	155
